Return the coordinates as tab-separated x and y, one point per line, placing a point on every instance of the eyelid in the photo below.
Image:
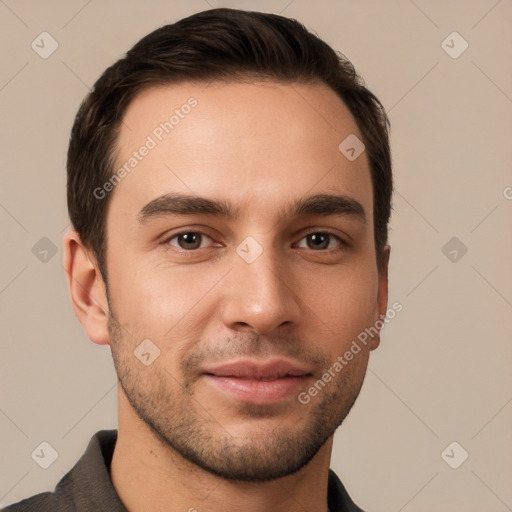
166	240
325	231
342	243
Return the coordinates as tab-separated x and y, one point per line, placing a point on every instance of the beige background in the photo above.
442	373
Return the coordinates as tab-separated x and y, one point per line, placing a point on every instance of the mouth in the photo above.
258	383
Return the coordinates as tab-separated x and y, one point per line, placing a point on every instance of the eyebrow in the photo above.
186	204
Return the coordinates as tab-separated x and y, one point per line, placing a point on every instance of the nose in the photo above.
261	296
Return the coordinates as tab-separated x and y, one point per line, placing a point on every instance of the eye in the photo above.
188	240
321	241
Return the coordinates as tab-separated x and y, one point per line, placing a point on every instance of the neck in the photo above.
149	475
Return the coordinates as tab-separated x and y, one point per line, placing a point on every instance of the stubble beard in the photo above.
167	405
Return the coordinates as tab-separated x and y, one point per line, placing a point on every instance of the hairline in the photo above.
232	77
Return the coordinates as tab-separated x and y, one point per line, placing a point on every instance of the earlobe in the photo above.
382	297
87	289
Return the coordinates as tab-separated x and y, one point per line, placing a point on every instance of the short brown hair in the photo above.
218	44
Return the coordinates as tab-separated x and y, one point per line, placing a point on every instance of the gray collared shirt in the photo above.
88	487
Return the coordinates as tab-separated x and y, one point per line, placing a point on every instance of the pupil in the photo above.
319	240
189	239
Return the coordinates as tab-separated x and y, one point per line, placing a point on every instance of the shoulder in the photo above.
38	503
338	497
87	486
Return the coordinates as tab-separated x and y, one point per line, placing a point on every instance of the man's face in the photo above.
249	309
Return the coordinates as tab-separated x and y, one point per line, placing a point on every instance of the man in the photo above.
229	186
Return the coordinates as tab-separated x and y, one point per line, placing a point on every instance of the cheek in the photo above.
344	301
164	304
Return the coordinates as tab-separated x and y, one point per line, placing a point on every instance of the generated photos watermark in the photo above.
152	140
305	397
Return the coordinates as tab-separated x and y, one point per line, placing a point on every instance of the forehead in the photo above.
256	144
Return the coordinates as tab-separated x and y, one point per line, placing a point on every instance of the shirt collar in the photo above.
88	486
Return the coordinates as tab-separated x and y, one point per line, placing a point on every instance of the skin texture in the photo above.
260	147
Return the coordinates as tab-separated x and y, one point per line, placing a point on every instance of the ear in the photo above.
86	288
381	305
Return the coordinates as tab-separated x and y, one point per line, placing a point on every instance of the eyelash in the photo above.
341	242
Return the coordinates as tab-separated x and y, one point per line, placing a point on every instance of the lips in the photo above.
258	383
